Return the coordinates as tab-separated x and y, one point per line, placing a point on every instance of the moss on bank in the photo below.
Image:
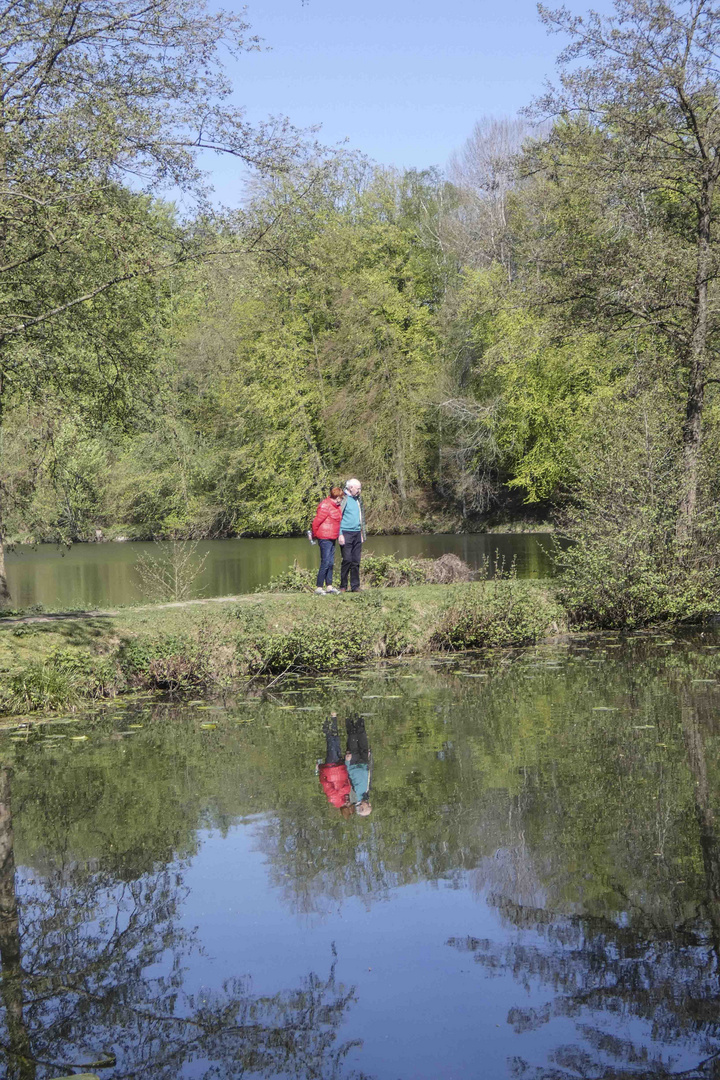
60	663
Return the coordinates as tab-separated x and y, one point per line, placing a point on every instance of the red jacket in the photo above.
326	523
335	783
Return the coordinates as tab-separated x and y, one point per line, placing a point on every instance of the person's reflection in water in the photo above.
358	759
333	773
346	780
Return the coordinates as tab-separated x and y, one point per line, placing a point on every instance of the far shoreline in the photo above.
517	527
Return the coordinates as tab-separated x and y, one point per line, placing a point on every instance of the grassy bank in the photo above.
61	663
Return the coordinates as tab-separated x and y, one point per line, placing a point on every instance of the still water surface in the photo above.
105	575
536	893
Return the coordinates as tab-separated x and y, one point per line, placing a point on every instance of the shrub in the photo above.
380	572
170	662
40	687
95	676
295	579
625	565
358	632
388	572
503	611
171	574
317	646
629	582
60	682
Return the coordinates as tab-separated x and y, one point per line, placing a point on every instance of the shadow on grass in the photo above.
76	630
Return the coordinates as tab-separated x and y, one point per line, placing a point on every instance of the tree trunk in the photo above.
20	1065
709	832
4	591
692	428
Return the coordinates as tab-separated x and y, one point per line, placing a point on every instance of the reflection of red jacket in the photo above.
335	783
326	523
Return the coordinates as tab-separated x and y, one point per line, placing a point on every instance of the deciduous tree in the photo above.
639	133
99	102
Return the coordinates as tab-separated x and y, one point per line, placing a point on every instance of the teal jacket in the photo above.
353	515
360	776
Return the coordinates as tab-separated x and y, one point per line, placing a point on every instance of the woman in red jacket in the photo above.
326	529
333	773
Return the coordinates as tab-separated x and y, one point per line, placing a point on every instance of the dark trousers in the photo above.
327	562
357	740
333	753
350	565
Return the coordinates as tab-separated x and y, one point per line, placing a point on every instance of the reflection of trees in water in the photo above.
101	977
602	975
316	859
652	977
20	1065
555	810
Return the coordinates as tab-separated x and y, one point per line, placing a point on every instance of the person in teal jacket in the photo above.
358	760
352	536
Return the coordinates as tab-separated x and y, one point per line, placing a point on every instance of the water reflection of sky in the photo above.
424	1009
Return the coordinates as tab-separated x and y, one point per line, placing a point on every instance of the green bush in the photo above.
295	579
387	571
354	633
630	582
60	682
626	565
40	687
503	611
95	676
171	662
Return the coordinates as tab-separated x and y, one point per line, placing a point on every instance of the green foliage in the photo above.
630	581
626	565
295	579
62	681
504	611
88	259
351	633
96	676
387	571
167	662
39	687
326	368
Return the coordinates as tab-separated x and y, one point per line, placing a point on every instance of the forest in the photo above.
529	335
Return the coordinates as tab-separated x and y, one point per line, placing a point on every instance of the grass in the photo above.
57	664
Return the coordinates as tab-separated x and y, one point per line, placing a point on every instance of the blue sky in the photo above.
402	80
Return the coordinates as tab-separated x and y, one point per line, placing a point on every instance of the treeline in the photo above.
450	339
353	338
535	330
381	326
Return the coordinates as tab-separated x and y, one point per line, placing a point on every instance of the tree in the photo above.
639	130
316	356
485	172
99	102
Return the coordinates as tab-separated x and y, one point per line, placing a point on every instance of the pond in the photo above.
536	893
106	575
